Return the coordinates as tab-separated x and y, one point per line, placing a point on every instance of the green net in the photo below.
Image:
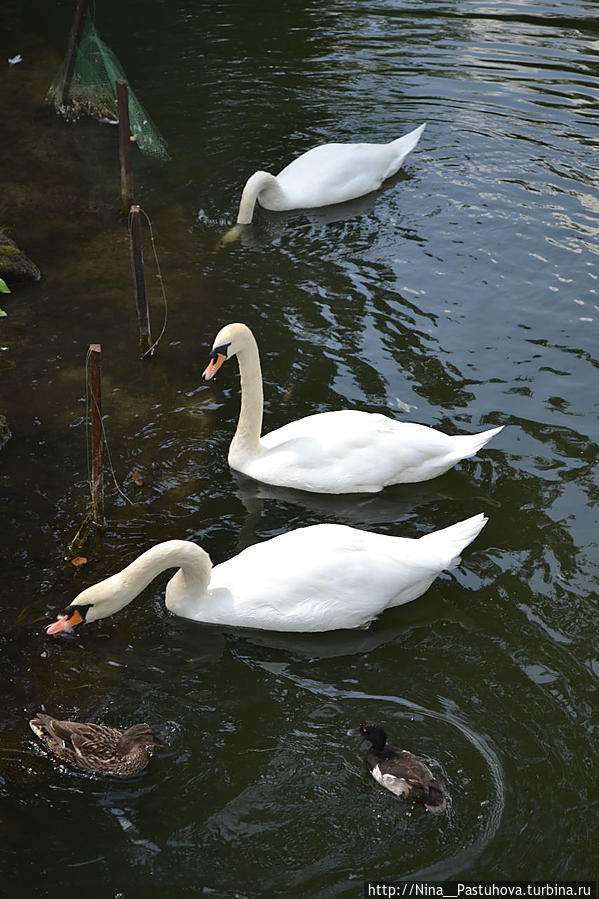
93	91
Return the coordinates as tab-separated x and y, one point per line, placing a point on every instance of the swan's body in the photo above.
96	747
319	578
400	772
330	173
331	452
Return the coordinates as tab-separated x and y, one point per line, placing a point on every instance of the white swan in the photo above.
318	578
330	173
331	452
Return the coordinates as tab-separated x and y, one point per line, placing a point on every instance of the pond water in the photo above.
463	294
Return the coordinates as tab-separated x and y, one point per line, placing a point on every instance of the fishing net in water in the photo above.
93	91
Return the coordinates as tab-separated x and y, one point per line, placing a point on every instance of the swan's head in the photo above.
97	601
229	341
231	235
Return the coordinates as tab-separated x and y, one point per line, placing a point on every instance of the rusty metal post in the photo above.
137	261
122	98
73	47
97	476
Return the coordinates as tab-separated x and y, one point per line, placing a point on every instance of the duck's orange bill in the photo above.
66	623
213	366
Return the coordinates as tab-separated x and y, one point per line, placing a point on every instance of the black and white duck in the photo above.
406	776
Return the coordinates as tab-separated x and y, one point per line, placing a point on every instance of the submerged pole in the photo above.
73	47
122	98
137	261
95	390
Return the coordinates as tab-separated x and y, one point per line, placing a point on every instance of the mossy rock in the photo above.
14	264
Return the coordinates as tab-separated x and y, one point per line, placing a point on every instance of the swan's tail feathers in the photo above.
449	542
400	148
407	142
466	445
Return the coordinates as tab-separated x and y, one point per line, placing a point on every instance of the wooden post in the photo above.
137	260
95	389
122	98
73	47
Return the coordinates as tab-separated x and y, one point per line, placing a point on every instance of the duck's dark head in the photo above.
372	732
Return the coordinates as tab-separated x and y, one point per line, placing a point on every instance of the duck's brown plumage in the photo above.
405	775
96	747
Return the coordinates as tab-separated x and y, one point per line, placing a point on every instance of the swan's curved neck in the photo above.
258	182
249	426
119	590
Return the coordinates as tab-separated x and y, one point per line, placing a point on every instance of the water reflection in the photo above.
273	225
315	736
391	507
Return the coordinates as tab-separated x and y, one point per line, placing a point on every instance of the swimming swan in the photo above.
330	173
318	578
331	452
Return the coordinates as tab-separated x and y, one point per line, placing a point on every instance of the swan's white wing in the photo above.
318	578
333	173
350	451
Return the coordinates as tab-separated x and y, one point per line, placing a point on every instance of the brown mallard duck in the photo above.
399	771
96	747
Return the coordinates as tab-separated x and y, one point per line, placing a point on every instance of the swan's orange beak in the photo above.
216	360
65	624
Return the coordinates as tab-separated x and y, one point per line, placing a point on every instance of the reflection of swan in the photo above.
319	578
330	173
363	510
332	452
273	227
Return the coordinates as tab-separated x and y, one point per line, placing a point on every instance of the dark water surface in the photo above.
466	289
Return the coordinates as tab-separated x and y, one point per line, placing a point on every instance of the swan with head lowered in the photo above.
330	173
319	578
348	451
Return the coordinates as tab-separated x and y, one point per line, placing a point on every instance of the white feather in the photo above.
319	578
330	173
396	785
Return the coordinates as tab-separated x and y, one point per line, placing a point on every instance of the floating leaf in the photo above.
2	313
79	562
4	288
